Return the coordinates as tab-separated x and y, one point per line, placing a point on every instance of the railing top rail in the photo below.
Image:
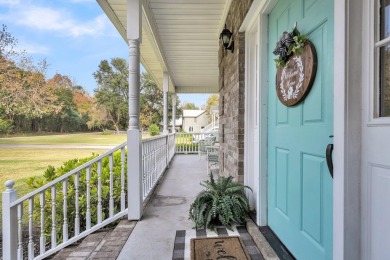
153	138
190	133
67	175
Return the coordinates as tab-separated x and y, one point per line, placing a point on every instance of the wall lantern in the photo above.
226	39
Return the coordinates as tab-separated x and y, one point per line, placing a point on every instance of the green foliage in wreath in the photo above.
221	203
292	43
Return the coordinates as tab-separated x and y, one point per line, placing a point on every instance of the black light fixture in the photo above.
226	39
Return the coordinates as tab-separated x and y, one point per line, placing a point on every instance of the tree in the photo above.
98	117
24	93
189	106
7	43
212	101
68	118
31	102
112	90
151	102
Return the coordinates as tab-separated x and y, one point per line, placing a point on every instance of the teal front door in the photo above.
300	188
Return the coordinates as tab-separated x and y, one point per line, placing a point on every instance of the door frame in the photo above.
347	122
252	35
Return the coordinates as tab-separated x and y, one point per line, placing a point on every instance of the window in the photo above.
382	47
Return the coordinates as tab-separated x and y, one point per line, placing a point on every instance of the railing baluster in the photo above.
111	201
99	213
53	217
123	194
65	210
88	213
20	231
155	152
77	210
42	238
30	228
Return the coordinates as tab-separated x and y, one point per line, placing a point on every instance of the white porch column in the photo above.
165	90
134	148
173	113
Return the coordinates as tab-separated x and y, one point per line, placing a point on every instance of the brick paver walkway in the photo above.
105	244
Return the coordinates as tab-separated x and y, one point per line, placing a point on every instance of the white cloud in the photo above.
9	2
32	48
56	20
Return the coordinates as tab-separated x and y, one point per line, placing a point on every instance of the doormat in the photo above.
182	249
218	248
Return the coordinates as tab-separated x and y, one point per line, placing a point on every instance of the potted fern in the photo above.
221	203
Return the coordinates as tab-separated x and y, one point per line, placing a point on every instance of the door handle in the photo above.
329	161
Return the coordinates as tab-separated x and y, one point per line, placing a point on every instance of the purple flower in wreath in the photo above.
282	46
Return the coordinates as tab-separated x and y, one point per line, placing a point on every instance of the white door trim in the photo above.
258	16
251	147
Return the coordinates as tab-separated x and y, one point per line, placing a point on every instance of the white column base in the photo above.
134	174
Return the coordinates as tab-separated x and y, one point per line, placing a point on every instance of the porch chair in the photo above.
212	158
203	144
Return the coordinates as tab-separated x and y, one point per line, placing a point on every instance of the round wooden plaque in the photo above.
294	80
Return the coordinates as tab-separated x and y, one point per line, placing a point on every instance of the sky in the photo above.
72	35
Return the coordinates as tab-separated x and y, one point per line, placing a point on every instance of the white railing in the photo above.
171	146
155	159
209	128
94	192
187	143
59	220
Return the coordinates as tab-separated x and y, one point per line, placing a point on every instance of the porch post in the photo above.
165	90
173	113
9	221
134	148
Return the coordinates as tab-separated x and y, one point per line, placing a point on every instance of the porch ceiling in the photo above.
179	37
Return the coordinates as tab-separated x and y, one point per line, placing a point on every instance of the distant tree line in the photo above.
32	102
29	101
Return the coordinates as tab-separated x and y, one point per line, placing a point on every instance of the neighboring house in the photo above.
194	121
178	125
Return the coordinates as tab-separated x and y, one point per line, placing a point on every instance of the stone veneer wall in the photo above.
232	95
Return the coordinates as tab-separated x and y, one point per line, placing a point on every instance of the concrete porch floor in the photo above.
153	237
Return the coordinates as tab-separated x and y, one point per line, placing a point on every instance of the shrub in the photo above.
221	203
106	132
5	126
52	173
154	130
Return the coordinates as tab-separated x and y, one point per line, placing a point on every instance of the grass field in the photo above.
18	164
74	139
21	163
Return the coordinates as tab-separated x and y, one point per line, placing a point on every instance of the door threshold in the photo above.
266	240
277	245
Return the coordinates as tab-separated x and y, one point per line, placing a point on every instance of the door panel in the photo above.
299	185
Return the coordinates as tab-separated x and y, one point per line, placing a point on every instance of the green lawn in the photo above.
18	164
74	139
